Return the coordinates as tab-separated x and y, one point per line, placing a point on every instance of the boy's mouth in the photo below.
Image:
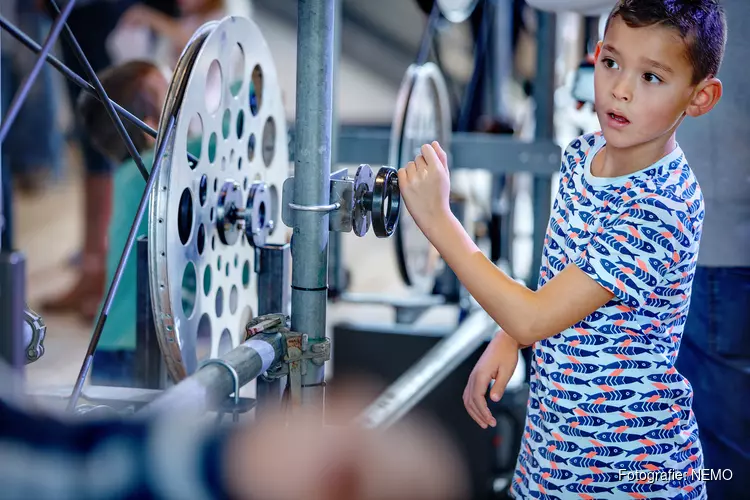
617	118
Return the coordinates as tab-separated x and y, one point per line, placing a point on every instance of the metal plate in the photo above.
457	11
361	216
423	115
226	97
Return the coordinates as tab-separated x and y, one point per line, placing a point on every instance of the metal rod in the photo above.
149	363
121	265
67	34
212	384
428	35
20	97
336	275
406	392
12	307
315	30
72	76
273	298
544	99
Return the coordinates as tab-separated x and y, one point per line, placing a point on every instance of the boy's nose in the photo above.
622	91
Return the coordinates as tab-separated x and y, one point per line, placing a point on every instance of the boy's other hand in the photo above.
425	187
498	362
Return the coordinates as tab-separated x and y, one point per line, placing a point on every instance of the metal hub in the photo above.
229	214
364	181
229	113
260	218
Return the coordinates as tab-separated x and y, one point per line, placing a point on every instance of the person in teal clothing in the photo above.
140	87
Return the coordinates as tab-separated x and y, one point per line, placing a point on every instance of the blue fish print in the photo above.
587	368
621	395
603	394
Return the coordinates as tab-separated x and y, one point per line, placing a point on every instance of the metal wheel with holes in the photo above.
227	103
422	116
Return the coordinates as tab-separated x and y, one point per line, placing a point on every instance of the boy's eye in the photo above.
651	78
609	63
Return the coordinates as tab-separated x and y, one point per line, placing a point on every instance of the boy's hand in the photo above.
498	362
425	187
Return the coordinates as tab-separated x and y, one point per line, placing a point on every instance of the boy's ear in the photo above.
705	96
598	50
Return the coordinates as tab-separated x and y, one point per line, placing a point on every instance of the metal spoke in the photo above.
20	96
158	157
94	80
72	76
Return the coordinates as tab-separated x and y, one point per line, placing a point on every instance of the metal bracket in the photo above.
298	349
36	330
340	208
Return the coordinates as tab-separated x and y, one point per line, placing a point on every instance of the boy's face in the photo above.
643	83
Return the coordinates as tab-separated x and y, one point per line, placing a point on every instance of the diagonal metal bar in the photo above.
67	34
72	76
155	170
20	97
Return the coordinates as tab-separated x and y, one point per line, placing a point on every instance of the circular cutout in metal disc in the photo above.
364	181
226	78
457	11
423	115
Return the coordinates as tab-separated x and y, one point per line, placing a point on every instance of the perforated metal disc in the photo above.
227	103
422	116
457	11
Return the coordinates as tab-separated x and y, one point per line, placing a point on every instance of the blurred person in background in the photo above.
32	150
91	22
715	351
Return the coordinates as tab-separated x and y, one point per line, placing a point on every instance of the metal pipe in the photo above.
12	307
73	77
211	385
273	262
155	171
406	392
94	79
315	31
25	87
544	99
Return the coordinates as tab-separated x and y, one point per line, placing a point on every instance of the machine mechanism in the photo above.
226	211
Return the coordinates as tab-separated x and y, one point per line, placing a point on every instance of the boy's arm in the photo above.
525	315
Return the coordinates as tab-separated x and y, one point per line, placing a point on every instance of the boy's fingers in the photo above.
480	403
441	154
469	403
431	156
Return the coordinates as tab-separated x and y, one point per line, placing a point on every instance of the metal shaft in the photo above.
406	392
12	306
212	384
158	157
23	91
315	30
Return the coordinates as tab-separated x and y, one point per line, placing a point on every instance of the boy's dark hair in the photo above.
126	84
700	23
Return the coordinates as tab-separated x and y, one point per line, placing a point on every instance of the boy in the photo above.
606	405
141	88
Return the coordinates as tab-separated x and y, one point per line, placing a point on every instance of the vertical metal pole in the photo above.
150	372
544	90
273	297
501	62
12	307
312	170
336	251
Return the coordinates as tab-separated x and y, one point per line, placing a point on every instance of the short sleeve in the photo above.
636	249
